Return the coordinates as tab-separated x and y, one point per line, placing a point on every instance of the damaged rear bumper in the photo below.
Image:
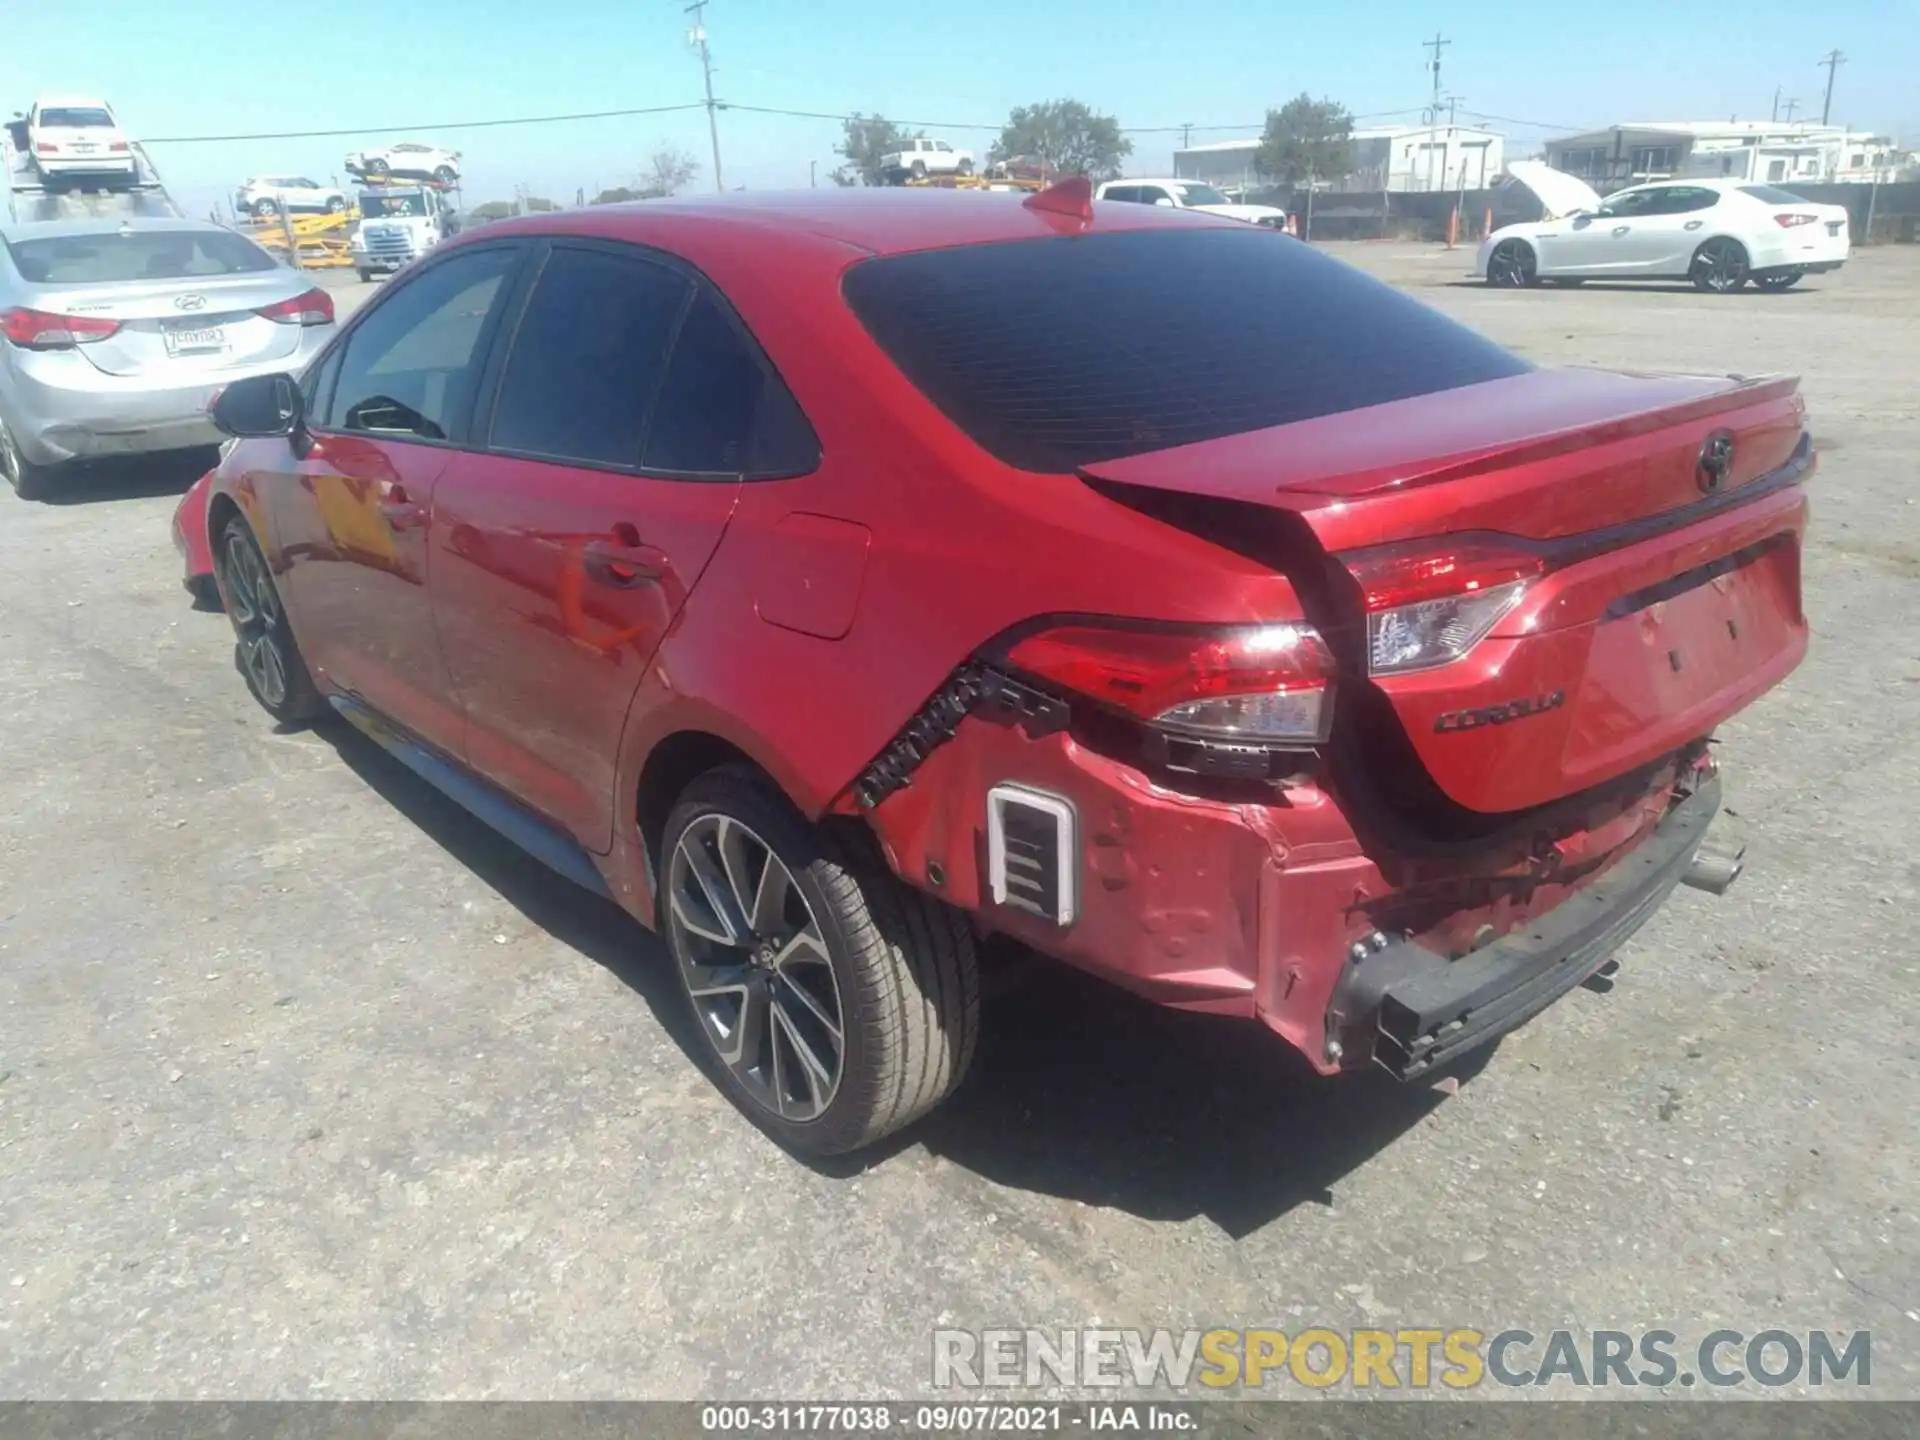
1418	1009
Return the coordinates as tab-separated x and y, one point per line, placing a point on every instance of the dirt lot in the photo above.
309	1087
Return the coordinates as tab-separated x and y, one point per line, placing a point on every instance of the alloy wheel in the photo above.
1511	265
254	607
754	960
1721	267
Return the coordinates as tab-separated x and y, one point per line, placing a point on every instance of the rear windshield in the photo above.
74	117
1053	354
1772	195
136	255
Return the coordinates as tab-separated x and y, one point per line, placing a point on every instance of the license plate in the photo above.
200	340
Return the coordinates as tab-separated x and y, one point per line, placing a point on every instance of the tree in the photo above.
667	172
619	195
505	209
865	139
1306	139
493	210
1067	136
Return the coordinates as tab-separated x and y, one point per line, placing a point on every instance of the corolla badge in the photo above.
189	302
1710	471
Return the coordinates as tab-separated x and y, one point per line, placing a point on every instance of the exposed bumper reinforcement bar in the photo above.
1427	1009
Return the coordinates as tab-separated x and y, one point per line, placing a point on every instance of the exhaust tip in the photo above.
1714	870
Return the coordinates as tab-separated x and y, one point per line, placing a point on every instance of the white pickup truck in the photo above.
920	157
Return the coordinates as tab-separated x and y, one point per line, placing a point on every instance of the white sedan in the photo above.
408	158
1190	195
1717	233
77	136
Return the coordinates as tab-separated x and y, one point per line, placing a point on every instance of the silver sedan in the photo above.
114	334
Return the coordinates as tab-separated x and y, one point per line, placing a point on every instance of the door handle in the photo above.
1693	224
1621	229
619	560
399	509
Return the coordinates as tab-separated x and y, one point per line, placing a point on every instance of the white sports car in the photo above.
1717	233
408	158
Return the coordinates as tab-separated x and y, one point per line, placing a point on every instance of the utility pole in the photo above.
697	37
1790	104
1775	116
1833	60
1438	43
813	174
1186	136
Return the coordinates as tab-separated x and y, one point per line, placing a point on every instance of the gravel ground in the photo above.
310	1088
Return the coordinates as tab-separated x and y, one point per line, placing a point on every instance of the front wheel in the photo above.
265	209
918	170
965	167
446	175
1512	265
264	649
1779	280
336	206
1719	267
836	1003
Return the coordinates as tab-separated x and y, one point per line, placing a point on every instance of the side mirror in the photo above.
257	406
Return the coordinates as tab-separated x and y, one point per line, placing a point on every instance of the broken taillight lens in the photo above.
1430	602
1255	683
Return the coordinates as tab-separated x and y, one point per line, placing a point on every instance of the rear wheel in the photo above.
1512	265
836	1003
377	167
918	170
1779	280
264	649
446	175
336	205
265	209
29	481
1719	267
965	167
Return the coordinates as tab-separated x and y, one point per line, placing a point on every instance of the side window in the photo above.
316	386
588	358
1154	194
705	416
1129	193
942	146
1631	203
409	367
1685	199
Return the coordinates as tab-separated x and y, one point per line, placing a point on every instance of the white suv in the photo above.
270	194
408	158
1190	195
918	158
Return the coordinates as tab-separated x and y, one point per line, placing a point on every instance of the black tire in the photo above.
1513	266
377	168
1775	281
366	276
336	206
446	175
905	979
265	209
918	170
1720	267
29	481
264	651
965	167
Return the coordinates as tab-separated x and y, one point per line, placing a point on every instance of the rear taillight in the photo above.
313	308
119	147
43	330
1788	222
1254	683
46	147
1430	602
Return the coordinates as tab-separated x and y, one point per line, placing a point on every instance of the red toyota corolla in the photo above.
837	579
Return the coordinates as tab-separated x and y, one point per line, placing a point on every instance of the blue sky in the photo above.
209	67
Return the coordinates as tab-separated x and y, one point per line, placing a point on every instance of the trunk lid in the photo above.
1670	594
183	327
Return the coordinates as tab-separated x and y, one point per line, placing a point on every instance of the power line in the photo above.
445	125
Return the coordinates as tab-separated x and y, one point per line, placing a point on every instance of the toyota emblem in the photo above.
1715	463
189	302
